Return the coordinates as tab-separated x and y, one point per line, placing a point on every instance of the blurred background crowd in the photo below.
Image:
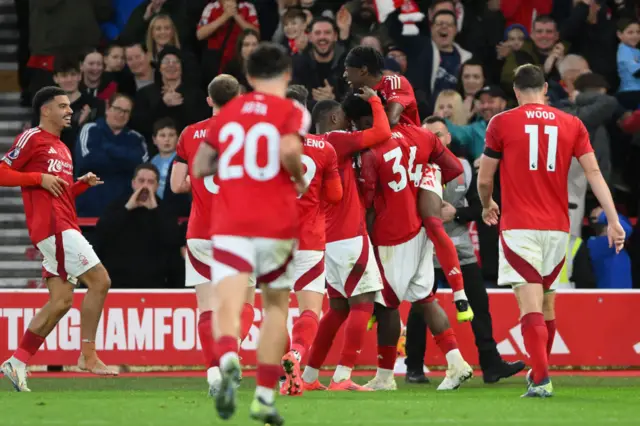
136	72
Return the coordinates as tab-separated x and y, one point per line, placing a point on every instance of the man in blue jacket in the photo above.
612	271
111	149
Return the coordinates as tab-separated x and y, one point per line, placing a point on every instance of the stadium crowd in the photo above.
136	72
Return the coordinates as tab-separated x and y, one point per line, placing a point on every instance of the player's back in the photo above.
536	144
417	146
319	159
202	190
388	186
396	88
257	197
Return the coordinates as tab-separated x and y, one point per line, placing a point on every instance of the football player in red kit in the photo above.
41	165
257	142
221	90
321	173
352	274
363	67
534	145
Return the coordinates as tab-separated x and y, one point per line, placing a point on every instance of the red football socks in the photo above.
355	330
246	320
387	357
28	347
535	334
267	375
446	341
225	345
445	251
304	331
327	330
205	332
551	332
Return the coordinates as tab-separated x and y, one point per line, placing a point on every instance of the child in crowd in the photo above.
165	138
629	63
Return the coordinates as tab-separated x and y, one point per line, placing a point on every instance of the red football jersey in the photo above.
396	88
36	150
257	197
535	144
388	189
321	165
202	190
346	219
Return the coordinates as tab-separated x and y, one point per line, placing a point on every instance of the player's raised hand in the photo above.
491	213
616	236
366	93
53	184
91	179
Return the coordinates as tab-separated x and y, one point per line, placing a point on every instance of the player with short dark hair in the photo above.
221	89
534	145
257	141
298	93
41	165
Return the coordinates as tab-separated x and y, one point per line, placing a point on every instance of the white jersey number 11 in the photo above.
534	140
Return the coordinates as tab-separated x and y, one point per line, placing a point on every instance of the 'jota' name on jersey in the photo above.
59	166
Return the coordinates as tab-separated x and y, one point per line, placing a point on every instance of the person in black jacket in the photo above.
138	240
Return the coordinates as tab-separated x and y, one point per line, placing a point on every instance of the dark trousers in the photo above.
481	324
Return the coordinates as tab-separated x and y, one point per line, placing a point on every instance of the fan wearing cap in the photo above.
169	96
491	100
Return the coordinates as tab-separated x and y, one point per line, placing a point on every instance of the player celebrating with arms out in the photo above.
41	164
321	173
534	145
363	67
221	90
255	220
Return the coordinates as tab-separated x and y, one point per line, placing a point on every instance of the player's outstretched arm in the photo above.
205	162
179	181
11	177
291	159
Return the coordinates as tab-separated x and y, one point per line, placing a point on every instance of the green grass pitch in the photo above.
155	401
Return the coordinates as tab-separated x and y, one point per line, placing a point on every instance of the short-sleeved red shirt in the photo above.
396	88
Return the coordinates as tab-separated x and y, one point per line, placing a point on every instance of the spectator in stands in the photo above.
94	82
114	58
491	101
139	64
138	23
169	96
613	271
395	53
294	26
629	63
63	27
321	67
138	240
247	43
221	25
365	22
570	68
516	49
86	109
372	41
470	80
449	105
165	138
111	150
114	62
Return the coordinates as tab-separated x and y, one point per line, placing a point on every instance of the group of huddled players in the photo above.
353	210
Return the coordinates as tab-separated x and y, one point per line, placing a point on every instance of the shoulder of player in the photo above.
30	137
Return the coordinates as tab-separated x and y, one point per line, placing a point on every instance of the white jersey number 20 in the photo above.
239	138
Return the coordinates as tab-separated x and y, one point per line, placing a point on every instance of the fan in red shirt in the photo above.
534	145
363	67
256	140
41	164
321	173
221	90
403	252
352	274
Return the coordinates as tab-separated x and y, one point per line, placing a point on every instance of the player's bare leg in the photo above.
305	328
429	208
328	327
60	301
458	370
226	330
98	283
388	333
273	338
360	311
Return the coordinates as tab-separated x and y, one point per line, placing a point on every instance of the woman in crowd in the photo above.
449	105
470	80
247	43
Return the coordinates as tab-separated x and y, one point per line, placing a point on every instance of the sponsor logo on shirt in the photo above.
59	166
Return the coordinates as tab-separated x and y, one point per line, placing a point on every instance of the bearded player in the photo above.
221	90
363	67
41	164
534	145
352	274
403	252
321	173
256	144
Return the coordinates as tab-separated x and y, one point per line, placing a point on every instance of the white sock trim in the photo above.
310	374
341	374
459	295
